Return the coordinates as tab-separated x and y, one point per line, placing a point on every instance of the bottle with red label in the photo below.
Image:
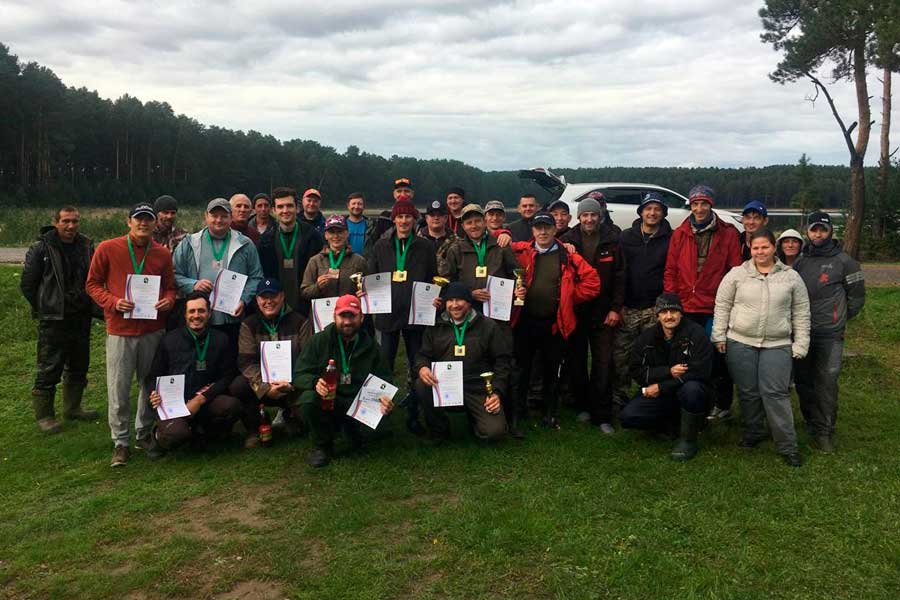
265	426
330	377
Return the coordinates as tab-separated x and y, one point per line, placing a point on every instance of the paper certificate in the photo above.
366	407
449	389
143	290
421	309
227	290
323	313
171	389
377	299
275	361
500	304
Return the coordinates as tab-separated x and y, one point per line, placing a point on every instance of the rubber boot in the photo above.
42	402
72	393
686	448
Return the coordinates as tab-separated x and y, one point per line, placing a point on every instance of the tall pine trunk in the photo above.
853	229
885	158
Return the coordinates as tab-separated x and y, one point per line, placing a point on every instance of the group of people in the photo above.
686	314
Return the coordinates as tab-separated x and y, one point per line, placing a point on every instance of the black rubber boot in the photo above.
72	394
42	402
686	448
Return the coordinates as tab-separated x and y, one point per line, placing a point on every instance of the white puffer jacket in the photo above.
763	311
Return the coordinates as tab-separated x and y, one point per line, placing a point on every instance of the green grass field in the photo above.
568	514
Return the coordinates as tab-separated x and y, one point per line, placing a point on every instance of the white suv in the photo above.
622	199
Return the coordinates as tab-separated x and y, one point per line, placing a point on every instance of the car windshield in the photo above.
634	196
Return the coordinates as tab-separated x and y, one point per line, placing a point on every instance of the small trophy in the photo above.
488	384
440	281
357	278
519	274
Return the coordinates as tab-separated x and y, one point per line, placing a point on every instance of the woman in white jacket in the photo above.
761	322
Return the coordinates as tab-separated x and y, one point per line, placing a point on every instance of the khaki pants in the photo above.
127	357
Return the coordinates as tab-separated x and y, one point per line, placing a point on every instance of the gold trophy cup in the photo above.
488	383
440	281
520	278
357	279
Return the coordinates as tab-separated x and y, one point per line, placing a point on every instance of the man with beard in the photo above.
383	223
240	217
702	250
207	360
461	334
456	198
671	361
285	250
167	233
357	223
644	248
521	229
273	321
56	267
837	292
357	356
597	241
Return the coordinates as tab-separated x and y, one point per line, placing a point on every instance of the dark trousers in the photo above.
232	330
324	424
593	394
816	379
662	412
63	351
240	388
720	378
216	416
390	344
529	336
486	426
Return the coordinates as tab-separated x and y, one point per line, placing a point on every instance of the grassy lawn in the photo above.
568	514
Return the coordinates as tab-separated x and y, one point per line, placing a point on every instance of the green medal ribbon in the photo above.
221	252
201	352
335	264
134	263
460	332
289	250
480	249
345	364
401	256
273	331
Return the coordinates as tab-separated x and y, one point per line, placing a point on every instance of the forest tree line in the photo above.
65	144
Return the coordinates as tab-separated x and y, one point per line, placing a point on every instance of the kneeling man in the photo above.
672	362
356	356
463	335
207	360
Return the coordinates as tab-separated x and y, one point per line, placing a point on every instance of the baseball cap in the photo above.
558	204
219	203
268	286
312	192
543	218
755	206
436	207
335	222
347	303
142	208
469	209
494	205
402	182
819	218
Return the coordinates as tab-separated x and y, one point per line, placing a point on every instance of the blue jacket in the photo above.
241	257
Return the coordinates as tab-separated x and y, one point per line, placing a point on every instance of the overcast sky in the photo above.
499	85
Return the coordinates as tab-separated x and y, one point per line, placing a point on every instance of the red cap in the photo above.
347	303
312	192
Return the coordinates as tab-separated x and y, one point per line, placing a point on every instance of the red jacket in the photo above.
579	283
697	291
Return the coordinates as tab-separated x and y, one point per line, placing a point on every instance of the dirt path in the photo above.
877	274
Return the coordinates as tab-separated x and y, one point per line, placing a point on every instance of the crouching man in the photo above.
207	360
356	355
461	334
672	362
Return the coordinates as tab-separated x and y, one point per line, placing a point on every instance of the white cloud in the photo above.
500	85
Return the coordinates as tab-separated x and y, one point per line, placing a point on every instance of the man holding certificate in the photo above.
328	272
131	342
407	258
206	359
274	321
324	406
202	258
464	339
